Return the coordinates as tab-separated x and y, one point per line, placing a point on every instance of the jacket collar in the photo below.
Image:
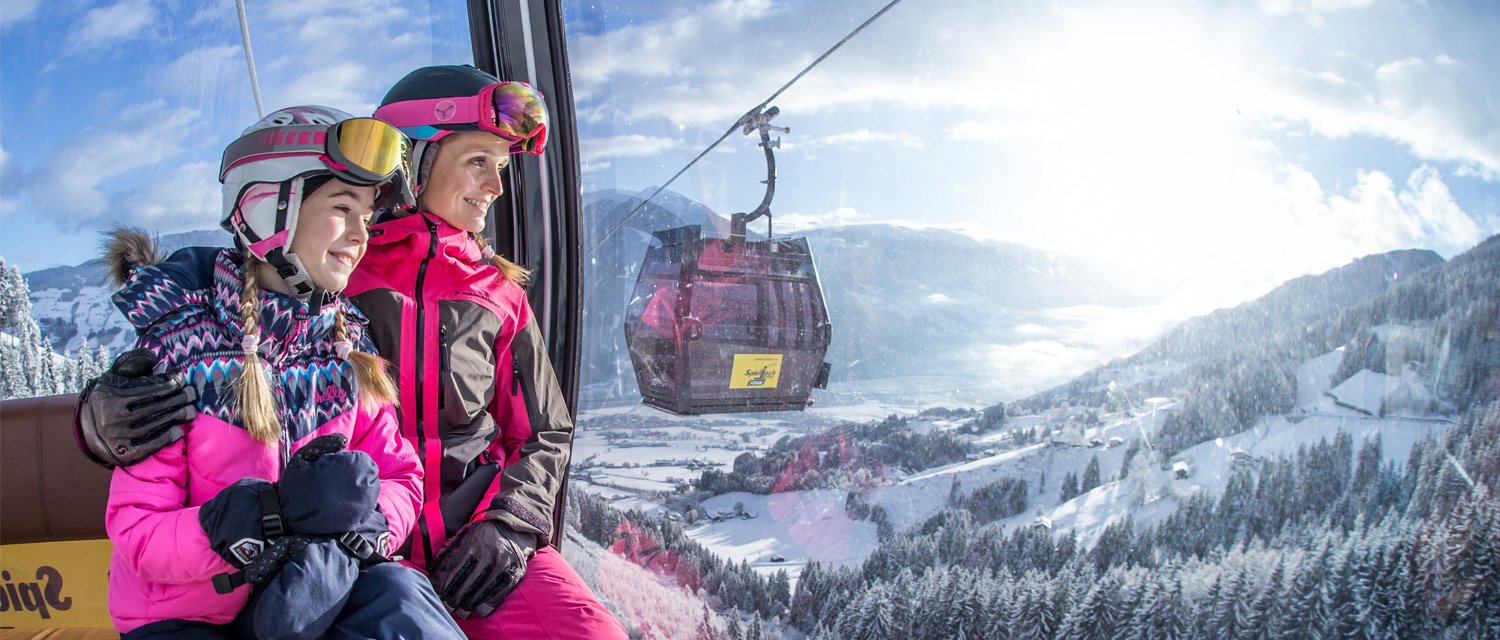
407	237
284	318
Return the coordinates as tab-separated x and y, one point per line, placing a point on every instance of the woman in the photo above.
479	401
479	398
260	489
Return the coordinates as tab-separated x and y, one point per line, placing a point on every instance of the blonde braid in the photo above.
257	406
375	386
513	272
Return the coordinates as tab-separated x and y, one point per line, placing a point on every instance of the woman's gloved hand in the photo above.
481	565
127	413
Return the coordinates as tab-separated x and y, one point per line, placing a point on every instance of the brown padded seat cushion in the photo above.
58	634
51	491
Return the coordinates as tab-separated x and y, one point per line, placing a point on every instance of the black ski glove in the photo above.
328	491
127	413
480	566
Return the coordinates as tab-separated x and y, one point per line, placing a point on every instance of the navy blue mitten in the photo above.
326	490
303	594
233	520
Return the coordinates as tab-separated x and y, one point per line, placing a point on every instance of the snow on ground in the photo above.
1315	376
1380	394
634	456
1212	463
917	497
650	605
799	526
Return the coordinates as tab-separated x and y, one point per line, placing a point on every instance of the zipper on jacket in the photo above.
528	397
421	385
443	352
443	366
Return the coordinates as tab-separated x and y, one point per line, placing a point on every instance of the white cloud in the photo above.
1300	228
859	138
16	11
1288	7
344	85
304	9
204	73
69	182
1438	107
1441	222
626	146
186	198
795	221
9	184
343	54
106	26
1035	365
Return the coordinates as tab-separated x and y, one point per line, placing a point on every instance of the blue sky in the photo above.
1238	144
117	111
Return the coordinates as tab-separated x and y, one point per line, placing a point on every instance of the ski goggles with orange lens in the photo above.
362	151
512	110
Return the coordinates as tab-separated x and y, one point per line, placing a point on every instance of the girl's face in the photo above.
332	232
465	178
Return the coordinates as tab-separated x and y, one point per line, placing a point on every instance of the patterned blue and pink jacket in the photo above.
163	565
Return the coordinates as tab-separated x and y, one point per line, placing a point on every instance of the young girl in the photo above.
284	377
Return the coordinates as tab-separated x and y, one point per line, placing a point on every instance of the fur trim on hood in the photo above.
127	249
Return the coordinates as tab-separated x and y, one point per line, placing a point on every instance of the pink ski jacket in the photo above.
163	565
479	399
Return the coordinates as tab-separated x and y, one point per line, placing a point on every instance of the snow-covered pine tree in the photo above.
1031	609
1090	475
49	381
733	629
1069	487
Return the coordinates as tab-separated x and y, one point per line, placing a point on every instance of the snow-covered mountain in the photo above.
71	304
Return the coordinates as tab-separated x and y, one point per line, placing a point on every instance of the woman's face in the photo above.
465	179
332	232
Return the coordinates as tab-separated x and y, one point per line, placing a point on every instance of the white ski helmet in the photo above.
265	170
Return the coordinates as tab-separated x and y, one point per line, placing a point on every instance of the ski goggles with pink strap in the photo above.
512	110
362	151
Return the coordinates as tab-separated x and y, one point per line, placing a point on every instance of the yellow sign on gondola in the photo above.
755	371
54	584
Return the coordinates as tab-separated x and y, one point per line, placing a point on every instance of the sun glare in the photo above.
1134	142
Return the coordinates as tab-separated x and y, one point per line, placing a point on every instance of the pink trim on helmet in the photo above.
252	197
260	248
331	162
